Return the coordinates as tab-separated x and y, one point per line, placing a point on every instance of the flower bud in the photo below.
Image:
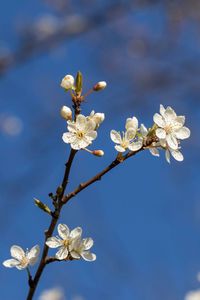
67	82
66	113
98	152
99	86
42	206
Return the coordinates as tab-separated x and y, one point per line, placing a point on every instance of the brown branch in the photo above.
119	159
51	228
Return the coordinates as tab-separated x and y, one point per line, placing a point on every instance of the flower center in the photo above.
168	129
24	261
80	134
65	243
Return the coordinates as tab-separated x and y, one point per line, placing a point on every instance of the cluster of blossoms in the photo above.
166	133
70	244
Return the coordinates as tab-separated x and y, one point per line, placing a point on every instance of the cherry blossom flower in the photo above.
170	127
67	82
21	259
128	139
63	242
81	132
80	248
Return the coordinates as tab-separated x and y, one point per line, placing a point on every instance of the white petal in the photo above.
71	126
68	137
86	255
17	252
62	253
160	133
162	110
154	151
75	255
135	145
81	122
115	136
172	141
91	135
167	156
10	263
179	122
63	231
159	120
53	242
143	130
177	155
87	243
90	125
183	133
120	148
132	123
169	115
76	233
33	254
130	134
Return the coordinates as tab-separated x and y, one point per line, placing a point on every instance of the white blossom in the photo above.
193	295
67	82
81	132
128	139
64	240
170	127
22	259
80	248
66	113
98	118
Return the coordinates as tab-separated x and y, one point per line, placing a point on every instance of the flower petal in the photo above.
62	253
160	133
130	134
54	242
135	145
75	255
169	115
183	133
172	141
162	110
68	137
120	148
143	130
87	243
115	136
88	256
91	135
10	263
17	252
177	155
71	126
158	119
33	254
63	231
76	233
132	123
154	151
81	122
167	156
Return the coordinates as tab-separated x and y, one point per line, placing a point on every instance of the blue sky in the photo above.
144	215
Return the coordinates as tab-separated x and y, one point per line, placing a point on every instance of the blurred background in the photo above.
144	215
